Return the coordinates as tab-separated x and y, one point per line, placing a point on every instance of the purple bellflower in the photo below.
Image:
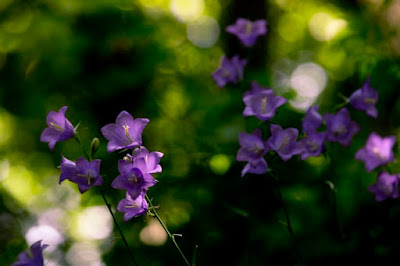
151	159
126	133
261	103
312	120
365	99
133	207
252	150
377	151
385	187
313	144
340	127
33	256
284	142
132	178
84	173
59	128
229	71
248	31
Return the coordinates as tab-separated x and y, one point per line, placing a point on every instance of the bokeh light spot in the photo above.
220	164
47	233
187	10
203	32
153	234
324	27
94	223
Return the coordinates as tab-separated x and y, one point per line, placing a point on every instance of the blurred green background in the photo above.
154	59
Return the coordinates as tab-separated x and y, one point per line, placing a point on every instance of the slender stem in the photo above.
76	137
166	229
289	225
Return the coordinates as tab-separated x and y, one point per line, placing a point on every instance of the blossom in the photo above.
284	142
133	207
365	99
229	71
248	31
261	102
126	133
84	173
59	128
312	120
151	159
255	167
385	187
313	144
132	178
340	127
33	256
377	151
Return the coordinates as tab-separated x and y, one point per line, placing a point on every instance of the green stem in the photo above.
289	224
76	137
153	211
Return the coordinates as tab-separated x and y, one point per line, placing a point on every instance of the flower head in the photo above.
133	207
385	187
248	31
312	120
284	142
59	128
151	159
126	133
261	102
377	151
229	71
84	173
255	167
33	256
340	127
365	99
313	144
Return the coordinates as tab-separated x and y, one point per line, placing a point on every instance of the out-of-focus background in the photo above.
154	59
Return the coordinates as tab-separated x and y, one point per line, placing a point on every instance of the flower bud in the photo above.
94	146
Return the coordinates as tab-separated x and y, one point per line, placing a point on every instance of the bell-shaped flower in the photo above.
261	102
385	187
133	207
340	127
151	159
59	128
377	151
33	256
312	120
312	144
284	142
229	70
248	31
365	99
258	167
126	133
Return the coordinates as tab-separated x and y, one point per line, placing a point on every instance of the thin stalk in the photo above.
172	236
289	225
76	137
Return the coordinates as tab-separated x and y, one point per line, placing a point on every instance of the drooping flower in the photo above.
84	173
229	70
59	128
151	159
377	151
385	187
312	120
261	102
365	99
33	256
284	142
248	31
131	178
133	207
252	150
313	144
126	133
340	127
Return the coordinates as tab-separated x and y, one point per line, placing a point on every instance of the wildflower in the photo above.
84	173
126	133
248	31
365	99
385	187
312	120
133	207
313	144
59	128
377	151
340	127
261	102
284	142
151	159
229	71
255	167
33	256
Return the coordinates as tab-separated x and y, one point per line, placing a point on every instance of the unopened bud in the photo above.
94	146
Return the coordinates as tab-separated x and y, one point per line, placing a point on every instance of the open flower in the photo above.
151	159
59	128
33	256
133	207
261	102
385	187
313	144
340	127
84	173
126	133
255	167
248	31
312	120
377	151
365	99
229	71
284	142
